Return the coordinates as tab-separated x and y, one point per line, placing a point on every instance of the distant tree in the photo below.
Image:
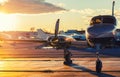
32	29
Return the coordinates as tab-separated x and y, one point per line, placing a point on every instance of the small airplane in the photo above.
102	30
101	33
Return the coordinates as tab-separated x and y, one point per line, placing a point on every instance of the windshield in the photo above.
103	19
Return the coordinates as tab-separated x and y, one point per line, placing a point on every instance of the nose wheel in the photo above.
98	61
98	64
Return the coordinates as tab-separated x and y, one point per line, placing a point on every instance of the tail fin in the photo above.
42	35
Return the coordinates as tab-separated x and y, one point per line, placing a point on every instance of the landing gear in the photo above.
98	64
67	54
67	57
98	61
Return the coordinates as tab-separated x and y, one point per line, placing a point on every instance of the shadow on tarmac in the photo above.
75	66
113	52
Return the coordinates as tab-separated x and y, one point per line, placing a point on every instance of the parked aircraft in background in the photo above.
78	36
43	35
4	36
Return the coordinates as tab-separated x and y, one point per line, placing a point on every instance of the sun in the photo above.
3	1
7	22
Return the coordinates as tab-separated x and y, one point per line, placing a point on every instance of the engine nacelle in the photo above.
58	42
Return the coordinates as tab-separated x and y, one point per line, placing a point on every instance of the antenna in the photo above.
113	4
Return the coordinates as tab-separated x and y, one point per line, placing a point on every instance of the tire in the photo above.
67	63
98	66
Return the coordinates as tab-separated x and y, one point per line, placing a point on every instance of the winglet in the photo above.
57	27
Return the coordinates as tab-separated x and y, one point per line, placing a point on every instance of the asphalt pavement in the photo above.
24	60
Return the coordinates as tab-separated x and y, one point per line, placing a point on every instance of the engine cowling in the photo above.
58	42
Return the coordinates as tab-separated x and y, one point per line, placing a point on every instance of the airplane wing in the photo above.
39	41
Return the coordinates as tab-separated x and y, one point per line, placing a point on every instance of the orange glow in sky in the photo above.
7	22
3	1
21	15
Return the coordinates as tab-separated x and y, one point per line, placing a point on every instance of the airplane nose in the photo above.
100	30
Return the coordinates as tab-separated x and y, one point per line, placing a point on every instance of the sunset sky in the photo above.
21	15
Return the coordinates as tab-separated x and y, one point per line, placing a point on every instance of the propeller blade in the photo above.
57	28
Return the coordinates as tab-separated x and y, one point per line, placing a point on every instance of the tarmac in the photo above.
24	60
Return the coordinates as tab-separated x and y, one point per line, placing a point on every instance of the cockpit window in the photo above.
108	20
96	21
101	19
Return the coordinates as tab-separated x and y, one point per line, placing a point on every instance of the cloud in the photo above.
59	4
29	7
92	12
87	14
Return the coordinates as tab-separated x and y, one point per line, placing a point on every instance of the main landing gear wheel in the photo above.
67	56
98	61
98	66
68	62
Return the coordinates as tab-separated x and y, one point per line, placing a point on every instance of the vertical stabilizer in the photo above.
42	35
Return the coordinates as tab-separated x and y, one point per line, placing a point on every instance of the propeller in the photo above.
54	39
57	41
57	28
